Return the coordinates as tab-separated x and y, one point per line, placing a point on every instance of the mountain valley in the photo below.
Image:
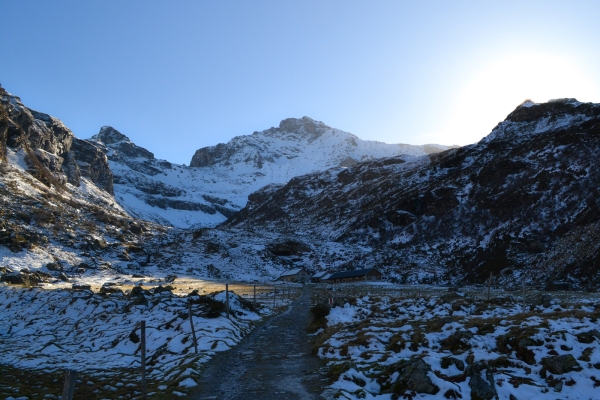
521	204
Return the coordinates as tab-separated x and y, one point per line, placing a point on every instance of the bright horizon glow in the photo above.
178	76
505	83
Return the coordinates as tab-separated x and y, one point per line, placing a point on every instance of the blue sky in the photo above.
177	76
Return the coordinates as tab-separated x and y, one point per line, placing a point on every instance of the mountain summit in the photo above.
300	146
220	178
522	203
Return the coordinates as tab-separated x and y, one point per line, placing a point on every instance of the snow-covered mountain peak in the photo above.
531	118
299	128
109	135
120	143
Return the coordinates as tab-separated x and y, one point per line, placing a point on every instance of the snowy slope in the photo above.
522	203
220	178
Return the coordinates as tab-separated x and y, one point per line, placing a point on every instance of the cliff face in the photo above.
50	146
93	164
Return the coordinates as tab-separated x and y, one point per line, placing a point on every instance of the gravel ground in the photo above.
273	362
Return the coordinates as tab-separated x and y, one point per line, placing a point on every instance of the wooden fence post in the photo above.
490	286
227	298
69	388
192	325
143	350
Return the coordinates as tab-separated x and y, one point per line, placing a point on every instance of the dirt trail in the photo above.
273	362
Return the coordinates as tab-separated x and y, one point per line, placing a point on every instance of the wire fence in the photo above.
266	295
527	295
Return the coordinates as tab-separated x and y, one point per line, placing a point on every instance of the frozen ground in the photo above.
453	347
45	332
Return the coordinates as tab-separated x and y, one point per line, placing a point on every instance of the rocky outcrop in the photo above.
52	144
208	156
42	136
481	389
121	143
4	121
411	375
93	164
561	364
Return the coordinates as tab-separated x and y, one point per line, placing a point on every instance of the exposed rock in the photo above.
110	289
519	343
15	279
93	164
412	376
47	137
288	248
78	286
562	364
138	296
448	361
52	162
72	169
545	300
121	143
6	270
457	342
588	337
481	389
54	267
25	277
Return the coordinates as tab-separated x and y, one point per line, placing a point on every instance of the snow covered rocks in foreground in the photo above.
99	335
454	347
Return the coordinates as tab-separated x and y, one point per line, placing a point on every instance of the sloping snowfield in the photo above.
454	347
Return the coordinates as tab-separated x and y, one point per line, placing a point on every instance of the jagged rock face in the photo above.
4	123
304	145
39	130
43	136
92	163
522	203
121	143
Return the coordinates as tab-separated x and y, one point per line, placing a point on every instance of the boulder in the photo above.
589	336
457	342
559	365
545	300
79	286
15	279
481	389
54	267
448	361
412	376
138	296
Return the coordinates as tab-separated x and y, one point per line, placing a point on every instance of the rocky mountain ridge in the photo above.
220	178
302	138
522	203
60	216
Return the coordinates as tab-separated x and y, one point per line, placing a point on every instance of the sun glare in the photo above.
498	89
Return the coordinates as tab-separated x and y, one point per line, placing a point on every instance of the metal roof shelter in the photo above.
355	275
